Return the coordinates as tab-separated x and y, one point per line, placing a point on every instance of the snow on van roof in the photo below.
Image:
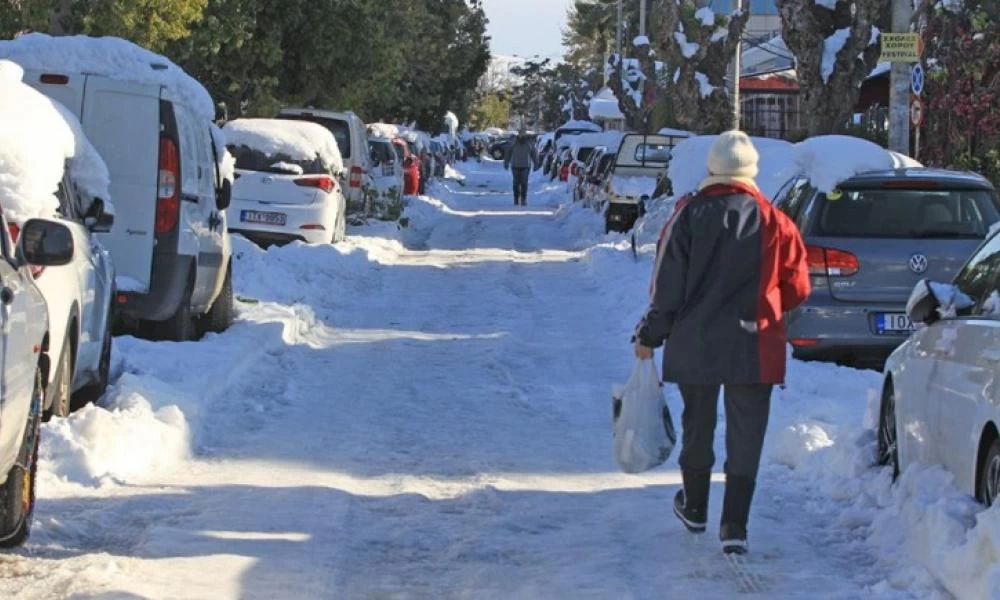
298	140
39	138
587	125
608	139
110	57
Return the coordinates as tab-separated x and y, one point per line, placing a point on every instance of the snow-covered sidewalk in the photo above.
425	413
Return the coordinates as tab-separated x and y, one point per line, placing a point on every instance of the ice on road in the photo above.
425	413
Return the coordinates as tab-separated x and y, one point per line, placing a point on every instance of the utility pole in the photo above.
618	34
737	68
899	84
642	17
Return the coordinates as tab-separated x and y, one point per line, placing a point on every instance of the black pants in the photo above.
521	184
747	408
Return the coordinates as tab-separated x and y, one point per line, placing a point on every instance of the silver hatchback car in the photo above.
869	242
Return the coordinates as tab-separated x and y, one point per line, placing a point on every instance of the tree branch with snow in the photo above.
836	46
698	46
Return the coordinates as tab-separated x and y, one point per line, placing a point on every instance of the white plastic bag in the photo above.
643	430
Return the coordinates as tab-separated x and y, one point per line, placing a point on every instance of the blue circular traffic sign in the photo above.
917	79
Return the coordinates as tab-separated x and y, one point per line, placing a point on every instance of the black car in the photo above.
498	149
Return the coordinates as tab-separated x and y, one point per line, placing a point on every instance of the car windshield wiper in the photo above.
940	233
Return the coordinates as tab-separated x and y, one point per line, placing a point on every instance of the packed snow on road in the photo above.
425	412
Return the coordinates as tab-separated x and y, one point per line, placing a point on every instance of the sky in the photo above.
527	27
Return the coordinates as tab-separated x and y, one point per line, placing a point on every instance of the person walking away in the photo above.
521	156
729	265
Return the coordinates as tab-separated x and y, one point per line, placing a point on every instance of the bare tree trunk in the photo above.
829	96
636	103
698	55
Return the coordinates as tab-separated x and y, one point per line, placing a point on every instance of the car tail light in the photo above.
356	173
832	263
323	182
168	203
803	342
54	79
313	227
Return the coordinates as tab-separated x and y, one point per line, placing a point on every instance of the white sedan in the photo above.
941	397
289	177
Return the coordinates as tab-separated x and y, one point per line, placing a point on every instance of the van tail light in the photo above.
831	263
168	202
356	174
54	79
323	182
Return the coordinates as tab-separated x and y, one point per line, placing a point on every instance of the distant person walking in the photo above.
521	157
728	267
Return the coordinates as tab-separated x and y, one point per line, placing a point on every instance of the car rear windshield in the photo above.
907	213
381	152
341	130
653	152
250	159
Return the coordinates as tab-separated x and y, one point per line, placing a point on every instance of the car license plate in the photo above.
893	323
263	218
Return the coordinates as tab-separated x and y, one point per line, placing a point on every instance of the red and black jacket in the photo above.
729	265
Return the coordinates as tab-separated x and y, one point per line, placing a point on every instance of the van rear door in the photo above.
122	120
66	88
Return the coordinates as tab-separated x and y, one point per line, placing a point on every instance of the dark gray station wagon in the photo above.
869	242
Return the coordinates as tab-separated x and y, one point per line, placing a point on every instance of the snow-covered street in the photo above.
425	413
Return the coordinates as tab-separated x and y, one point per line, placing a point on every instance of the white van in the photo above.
352	138
170	242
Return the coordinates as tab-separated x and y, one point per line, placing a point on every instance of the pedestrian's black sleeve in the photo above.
668	286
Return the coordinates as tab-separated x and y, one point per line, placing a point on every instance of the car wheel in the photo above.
888	445
94	391
220	316
989	477
60	387
17	494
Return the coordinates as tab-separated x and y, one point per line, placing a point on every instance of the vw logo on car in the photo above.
918	263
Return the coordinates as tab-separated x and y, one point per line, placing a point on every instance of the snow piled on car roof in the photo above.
828	160
110	57
608	139
298	140
39	138
689	160
825	160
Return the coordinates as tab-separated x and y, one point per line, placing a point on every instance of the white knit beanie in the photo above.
733	155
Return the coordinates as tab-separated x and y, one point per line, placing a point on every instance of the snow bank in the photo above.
829	159
110	57
688	164
37	138
298	140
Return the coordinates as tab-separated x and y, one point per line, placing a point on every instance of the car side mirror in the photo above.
97	219
46	243
224	195
931	301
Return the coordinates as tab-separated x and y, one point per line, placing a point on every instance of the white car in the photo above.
387	171
35	143
79	294
940	401
287	182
